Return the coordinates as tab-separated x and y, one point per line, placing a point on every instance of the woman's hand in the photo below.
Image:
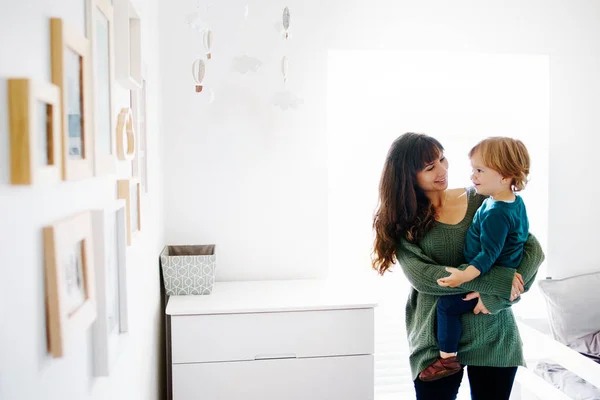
517	287
480	307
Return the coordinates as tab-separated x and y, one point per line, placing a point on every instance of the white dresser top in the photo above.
274	296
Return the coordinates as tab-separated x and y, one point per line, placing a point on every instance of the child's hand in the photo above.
455	279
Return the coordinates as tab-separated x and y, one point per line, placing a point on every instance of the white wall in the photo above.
26	370
251	178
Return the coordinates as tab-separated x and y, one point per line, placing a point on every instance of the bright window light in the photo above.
374	96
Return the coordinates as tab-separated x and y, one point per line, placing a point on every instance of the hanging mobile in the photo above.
286	21
284	68
207	41
198	72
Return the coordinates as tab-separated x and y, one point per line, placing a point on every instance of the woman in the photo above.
422	224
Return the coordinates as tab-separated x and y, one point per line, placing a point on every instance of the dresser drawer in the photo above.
252	336
329	378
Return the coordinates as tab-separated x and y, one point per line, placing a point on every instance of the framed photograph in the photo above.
99	21
134	106
130	190
70	56
128	51
139	166
125	135
110	245
69	275
143	137
35	132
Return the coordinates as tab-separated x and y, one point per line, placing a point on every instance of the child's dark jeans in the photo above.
449	309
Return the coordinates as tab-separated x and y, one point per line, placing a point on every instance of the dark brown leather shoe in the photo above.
440	368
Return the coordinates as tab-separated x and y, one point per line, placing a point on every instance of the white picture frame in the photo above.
110	260
100	32
138	105
134	106
128	47
143	134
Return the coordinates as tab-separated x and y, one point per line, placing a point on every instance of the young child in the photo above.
496	237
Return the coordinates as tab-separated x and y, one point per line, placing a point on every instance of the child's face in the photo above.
486	180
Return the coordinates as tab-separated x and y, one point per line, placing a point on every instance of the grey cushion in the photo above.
589	346
573	306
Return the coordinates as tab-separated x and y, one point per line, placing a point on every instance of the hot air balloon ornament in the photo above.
286	22
198	72
207	41
284	68
286	99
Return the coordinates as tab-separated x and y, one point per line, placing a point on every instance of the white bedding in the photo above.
568	382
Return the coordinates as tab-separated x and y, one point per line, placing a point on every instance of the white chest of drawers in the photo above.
283	340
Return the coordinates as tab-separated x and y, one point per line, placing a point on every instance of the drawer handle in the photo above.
274	356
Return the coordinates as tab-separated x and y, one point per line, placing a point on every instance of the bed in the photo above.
563	350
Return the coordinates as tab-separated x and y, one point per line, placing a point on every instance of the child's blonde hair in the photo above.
509	157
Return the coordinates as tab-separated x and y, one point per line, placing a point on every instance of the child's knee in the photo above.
444	303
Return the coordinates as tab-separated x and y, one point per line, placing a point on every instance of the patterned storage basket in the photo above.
188	269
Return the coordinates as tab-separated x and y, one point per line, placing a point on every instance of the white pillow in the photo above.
573	306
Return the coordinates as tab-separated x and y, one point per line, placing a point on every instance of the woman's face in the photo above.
434	177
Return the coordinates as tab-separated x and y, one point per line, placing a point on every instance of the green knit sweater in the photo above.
486	340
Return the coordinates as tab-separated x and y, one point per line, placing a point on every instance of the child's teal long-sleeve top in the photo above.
497	234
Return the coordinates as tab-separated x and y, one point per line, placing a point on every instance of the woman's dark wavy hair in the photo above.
403	210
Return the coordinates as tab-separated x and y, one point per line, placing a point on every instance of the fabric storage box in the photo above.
188	269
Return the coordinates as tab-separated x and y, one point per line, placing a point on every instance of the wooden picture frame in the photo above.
69	276
100	32
130	190
128	52
125	135
110	260
35	132
70	57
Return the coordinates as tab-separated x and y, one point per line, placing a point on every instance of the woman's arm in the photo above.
422	272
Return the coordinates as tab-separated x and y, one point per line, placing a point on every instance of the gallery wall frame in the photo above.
110	261
143	134
126	135
35	132
100	32
138	104
131	191
70	59
69	280
128	51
